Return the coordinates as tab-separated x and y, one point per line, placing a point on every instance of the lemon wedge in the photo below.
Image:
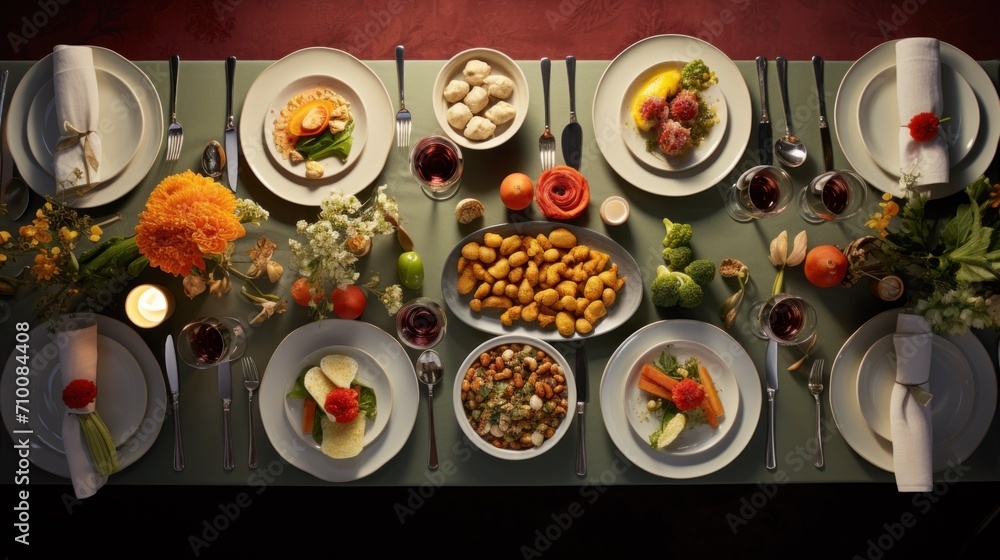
662	85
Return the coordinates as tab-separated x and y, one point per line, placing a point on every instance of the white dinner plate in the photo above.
950	382
488	321
127	350
119	141
142	106
643	144
695	438
285	362
878	117
864	440
848	127
333	167
308	62
637	449
609	128
370	374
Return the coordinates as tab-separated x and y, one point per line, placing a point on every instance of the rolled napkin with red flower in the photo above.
89	451
909	412
922	149
78	153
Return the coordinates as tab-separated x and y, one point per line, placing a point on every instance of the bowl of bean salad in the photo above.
514	396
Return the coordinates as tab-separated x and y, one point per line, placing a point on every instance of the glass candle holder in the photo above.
148	305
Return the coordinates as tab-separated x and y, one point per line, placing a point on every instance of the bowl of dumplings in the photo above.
480	98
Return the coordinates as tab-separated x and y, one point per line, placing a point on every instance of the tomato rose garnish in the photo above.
687	394
562	193
342	403
79	393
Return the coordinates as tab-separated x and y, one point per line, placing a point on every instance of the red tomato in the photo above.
348	303
302	293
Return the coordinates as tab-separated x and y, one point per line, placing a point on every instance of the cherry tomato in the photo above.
348	303
411	270
302	293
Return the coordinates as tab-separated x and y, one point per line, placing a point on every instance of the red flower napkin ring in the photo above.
924	126
77	396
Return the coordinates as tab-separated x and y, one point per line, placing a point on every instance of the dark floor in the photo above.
815	521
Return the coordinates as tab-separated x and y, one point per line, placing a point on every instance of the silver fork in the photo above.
816	388
175	134
547	142
251	380
403	115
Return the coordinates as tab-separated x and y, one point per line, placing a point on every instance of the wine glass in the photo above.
832	196
207	342
436	163
760	192
421	323
784	318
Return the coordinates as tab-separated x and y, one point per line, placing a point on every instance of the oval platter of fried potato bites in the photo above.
543	279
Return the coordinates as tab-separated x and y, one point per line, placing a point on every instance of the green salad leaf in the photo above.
328	144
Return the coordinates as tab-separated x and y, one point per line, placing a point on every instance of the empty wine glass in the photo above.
205	343
784	318
421	323
832	196
760	192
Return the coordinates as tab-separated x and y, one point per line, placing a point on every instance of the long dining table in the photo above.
841	311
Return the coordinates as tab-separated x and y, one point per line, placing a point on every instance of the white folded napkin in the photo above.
918	87
77	342
909	421
78	154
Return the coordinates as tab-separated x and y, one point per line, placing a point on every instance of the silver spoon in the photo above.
789	149
429	372
16	195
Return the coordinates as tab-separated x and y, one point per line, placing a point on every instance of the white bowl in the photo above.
460	411
500	64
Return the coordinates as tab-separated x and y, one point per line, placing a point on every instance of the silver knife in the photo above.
572	136
581	401
764	143
226	394
232	147
170	357
771	370
824	129
6	160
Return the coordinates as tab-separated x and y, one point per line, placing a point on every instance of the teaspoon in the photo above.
789	149
429	372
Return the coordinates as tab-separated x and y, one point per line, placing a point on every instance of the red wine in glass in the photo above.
207	342
436	163
836	195
419	325
787	318
764	192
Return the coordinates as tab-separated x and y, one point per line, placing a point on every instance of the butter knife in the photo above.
581	402
232	146
226	394
170	358
771	370
765	146
824	129
572	136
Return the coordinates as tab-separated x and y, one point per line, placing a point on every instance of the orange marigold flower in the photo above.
45	267
187	216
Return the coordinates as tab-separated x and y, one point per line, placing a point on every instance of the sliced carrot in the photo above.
652	373
711	394
650	387
309	119
710	416
308	415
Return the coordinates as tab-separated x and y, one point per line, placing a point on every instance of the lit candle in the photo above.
148	305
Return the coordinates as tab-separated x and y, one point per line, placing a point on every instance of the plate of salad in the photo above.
316	128
369	383
681	397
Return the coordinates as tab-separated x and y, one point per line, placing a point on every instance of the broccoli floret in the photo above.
701	270
696	75
679	257
691	293
671	288
677	235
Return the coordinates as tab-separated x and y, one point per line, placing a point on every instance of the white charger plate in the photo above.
119	140
691	465
638	141
848	127
333	167
284	363
694	439
878	116
307	62
45	365
148	111
370	374
864	440
609	128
